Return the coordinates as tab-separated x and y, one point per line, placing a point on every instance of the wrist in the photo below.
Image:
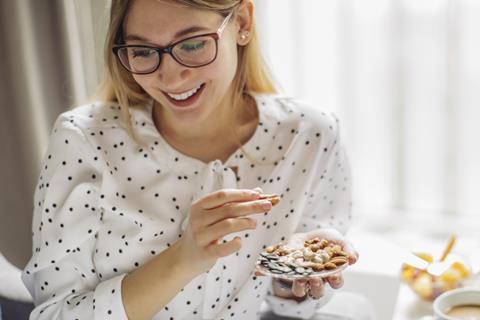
179	264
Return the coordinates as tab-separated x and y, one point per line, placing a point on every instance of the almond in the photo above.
273	198
270	249
318	267
323	244
330	266
338	261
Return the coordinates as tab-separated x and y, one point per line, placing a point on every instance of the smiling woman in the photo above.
155	201
121	85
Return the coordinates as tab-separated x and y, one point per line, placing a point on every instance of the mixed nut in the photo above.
273	198
317	255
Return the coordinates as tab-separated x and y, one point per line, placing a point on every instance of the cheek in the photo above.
225	65
144	81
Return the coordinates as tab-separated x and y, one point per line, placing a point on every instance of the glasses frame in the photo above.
169	49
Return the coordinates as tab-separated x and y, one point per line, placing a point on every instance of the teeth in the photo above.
185	95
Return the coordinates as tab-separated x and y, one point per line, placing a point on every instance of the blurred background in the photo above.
403	76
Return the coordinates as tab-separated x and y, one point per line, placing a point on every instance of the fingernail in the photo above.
266	205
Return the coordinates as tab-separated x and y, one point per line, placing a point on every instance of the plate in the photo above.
319	274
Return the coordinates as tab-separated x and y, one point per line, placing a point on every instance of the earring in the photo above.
244	35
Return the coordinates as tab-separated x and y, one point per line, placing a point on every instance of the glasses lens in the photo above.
139	59
196	51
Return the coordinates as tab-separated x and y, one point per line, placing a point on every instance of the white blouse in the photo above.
105	205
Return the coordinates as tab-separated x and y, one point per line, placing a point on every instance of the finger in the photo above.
221	197
225	227
235	210
352	256
258	189
298	288
285	284
335	281
224	249
317	288
352	253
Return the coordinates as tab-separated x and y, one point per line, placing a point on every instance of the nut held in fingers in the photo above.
273	198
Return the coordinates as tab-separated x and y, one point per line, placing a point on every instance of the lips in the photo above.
185	99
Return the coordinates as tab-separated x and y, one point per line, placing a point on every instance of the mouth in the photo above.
186	98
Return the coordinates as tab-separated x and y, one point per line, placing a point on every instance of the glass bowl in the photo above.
428	286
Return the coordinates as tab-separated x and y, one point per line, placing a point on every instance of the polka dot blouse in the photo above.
105	205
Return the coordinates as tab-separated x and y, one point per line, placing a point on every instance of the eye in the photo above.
142	52
193	45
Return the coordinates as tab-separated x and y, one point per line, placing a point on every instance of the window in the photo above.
403	77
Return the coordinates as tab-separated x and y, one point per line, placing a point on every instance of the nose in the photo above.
171	73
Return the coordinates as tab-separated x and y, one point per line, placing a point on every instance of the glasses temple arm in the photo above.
224	23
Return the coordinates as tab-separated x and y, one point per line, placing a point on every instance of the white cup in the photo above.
453	298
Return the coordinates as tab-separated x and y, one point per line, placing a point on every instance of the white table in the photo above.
377	275
409	306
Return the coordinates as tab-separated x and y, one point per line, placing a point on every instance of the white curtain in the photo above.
404	76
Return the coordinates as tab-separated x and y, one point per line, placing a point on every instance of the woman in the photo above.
148	204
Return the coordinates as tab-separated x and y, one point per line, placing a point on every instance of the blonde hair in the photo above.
119	85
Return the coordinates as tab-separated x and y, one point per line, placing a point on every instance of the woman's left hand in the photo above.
298	289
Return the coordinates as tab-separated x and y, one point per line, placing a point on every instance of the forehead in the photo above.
160	20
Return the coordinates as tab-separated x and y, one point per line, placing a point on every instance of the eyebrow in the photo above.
179	34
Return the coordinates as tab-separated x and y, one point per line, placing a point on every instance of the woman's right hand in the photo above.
213	217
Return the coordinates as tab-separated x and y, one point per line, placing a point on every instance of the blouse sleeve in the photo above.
61	274
328	206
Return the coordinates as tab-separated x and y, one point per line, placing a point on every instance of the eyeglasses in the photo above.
193	52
